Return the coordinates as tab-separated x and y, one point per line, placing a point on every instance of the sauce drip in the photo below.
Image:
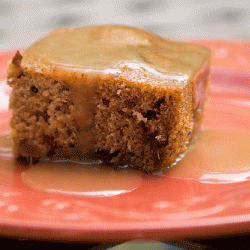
6	164
5	142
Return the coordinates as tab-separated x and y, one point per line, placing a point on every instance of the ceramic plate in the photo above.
206	194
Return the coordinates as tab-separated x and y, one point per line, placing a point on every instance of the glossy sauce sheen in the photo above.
79	179
218	156
111	49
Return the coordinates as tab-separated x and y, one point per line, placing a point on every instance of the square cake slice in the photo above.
124	94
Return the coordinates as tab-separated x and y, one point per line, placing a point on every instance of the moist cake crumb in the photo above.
124	94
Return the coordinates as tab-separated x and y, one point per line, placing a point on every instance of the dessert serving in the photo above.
119	93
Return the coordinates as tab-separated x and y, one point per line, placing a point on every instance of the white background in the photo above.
24	21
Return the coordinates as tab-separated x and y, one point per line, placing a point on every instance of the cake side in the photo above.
121	123
41	115
127	95
138	127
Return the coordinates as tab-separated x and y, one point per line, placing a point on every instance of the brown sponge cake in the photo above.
126	94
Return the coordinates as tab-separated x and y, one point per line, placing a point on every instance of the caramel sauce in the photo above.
81	178
218	156
6	165
112	49
6	171
5	142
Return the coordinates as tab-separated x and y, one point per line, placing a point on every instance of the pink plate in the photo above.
204	196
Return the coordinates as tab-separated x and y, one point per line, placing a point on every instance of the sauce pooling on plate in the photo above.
81	179
218	156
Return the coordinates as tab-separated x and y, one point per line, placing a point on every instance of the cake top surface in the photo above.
115	49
